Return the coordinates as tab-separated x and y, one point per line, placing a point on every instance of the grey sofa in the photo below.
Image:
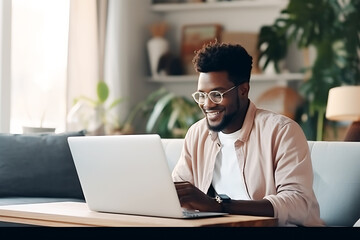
37	168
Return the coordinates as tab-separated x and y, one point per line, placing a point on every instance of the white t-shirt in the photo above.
227	177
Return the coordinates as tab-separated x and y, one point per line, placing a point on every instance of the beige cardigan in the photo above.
274	159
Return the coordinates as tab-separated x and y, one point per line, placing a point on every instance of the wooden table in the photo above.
75	214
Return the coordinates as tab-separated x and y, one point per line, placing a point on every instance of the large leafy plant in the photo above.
332	28
164	113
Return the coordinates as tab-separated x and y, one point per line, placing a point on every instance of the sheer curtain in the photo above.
87	34
117	53
5	74
87	31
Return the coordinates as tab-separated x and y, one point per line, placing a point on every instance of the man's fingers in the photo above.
183	191
182	185
186	202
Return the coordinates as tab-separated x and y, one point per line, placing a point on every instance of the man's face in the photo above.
228	115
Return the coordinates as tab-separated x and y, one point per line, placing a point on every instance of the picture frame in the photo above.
194	36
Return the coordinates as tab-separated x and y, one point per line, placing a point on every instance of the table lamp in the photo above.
344	105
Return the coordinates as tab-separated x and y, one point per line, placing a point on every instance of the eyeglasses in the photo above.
215	96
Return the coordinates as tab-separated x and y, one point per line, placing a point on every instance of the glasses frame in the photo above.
207	95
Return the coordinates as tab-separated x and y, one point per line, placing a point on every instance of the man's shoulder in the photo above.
264	116
273	123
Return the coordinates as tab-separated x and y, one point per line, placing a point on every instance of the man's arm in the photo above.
192	198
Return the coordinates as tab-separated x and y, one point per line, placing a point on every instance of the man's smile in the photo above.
213	115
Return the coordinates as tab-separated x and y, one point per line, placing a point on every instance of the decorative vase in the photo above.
157	47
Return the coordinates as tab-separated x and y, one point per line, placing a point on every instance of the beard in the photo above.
226	121
223	124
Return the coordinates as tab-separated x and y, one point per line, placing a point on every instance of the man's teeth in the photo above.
212	113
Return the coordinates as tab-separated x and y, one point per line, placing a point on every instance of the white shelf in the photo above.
279	78
167	7
174	79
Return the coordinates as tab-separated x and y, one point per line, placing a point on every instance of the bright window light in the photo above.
38	63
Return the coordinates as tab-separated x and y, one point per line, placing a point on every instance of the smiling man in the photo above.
240	159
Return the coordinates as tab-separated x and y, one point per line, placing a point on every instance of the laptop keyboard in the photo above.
189	213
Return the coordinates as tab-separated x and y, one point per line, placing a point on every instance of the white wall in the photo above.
126	61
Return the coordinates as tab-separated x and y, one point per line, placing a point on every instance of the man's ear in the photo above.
243	89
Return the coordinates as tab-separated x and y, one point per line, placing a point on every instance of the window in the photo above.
39	48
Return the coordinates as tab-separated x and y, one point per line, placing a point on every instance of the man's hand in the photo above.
192	198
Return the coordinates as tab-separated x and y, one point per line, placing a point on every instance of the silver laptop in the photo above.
127	174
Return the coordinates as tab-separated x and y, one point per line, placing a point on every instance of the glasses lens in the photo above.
199	97
215	96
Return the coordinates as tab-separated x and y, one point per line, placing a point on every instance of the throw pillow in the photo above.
38	165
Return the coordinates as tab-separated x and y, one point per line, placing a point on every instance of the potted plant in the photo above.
164	113
332	28
40	128
94	115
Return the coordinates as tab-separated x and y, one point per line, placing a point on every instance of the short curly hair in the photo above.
232	58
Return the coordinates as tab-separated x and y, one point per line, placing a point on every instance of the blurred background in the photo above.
120	67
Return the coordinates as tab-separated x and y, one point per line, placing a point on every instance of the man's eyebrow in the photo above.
214	89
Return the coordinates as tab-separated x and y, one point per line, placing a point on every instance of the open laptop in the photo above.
128	174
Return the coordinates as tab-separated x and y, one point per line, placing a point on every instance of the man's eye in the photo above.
216	95
201	96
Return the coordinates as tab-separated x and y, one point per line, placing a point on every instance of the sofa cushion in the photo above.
173	148
336	184
38	165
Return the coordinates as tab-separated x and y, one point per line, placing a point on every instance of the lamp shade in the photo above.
344	104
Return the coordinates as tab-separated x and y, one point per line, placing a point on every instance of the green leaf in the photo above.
158	108
115	103
174	115
102	91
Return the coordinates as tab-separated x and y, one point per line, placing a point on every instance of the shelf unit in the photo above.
279	79
197	12
168	7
